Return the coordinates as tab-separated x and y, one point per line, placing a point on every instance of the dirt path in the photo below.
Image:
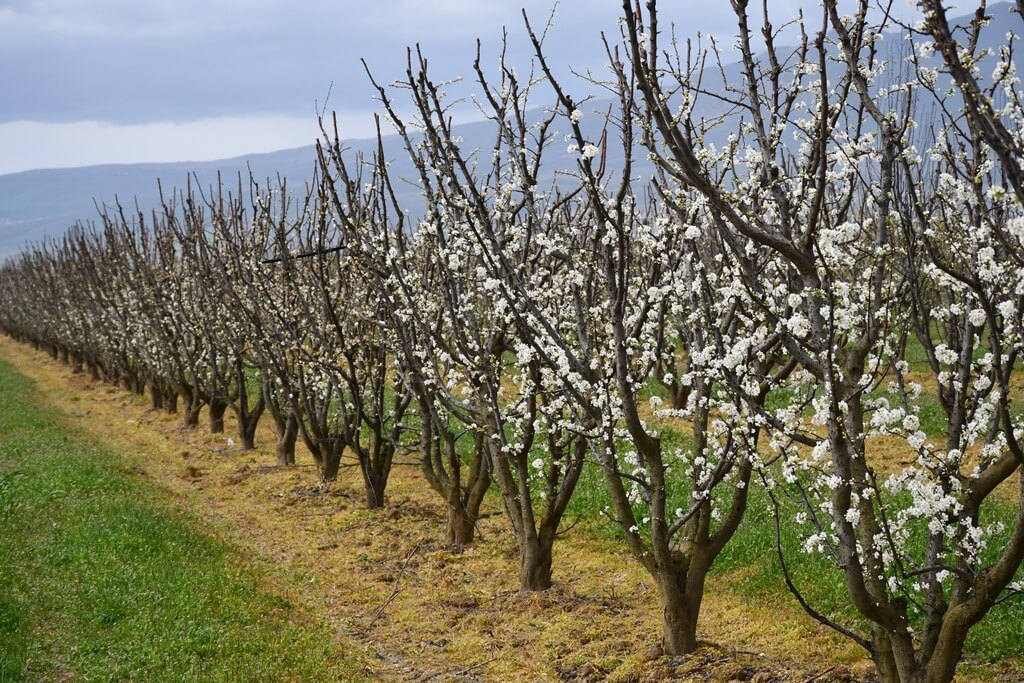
414	609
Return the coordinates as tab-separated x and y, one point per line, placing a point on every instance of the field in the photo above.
136	550
707	365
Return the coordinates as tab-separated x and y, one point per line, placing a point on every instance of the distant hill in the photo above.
35	204
40	203
43	203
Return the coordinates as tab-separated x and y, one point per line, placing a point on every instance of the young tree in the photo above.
254	291
407	274
509	402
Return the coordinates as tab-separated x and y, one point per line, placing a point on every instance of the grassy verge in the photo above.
100	579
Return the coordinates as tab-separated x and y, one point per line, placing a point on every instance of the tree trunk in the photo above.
247	433
217	410
374	484
535	565
332	451
462	501
899	665
375	464
248	419
192	415
941	667
156	395
331	464
679	616
287	433
193	404
286	425
883	657
461	526
170	401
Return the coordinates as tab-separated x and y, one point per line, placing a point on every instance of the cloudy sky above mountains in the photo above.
104	81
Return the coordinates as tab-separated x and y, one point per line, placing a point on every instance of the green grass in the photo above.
101	579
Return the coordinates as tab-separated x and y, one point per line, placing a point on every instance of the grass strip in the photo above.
102	579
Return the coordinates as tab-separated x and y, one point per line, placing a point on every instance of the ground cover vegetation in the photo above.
101	578
736	329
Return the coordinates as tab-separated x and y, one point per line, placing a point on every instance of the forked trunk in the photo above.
192	415
885	661
375	464
941	665
464	507
247	433
462	501
901	665
286	425
248	419
193	405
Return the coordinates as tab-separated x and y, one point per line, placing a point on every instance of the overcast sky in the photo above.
101	81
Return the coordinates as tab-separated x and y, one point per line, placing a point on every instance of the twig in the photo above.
819	675
305	254
569	528
379	612
459	672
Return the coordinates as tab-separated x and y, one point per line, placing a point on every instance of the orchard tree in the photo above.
408	274
829	209
534	446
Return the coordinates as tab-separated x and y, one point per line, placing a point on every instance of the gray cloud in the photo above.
129	63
